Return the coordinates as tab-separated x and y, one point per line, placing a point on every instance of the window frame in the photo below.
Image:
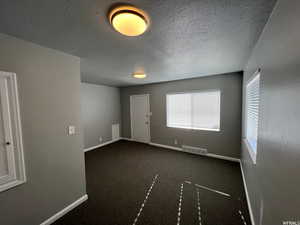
191	92
252	152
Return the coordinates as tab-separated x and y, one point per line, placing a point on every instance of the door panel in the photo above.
3	154
140	122
7	161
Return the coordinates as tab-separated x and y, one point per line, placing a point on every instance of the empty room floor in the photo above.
131	183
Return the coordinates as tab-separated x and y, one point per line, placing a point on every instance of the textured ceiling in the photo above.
187	38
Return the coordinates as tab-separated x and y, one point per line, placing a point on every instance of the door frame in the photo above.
148	115
6	101
17	142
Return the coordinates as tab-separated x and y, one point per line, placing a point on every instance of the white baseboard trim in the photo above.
126	139
101	145
64	211
247	196
130	139
223	157
208	154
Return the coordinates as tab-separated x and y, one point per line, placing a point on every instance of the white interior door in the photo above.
7	162
140	118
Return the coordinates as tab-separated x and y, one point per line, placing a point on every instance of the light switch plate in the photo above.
71	130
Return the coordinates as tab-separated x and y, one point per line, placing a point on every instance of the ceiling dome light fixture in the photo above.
129	20
139	75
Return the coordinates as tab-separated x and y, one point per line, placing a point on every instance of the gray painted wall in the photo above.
49	92
226	142
273	183
100	106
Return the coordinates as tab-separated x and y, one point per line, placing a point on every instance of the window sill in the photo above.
250	151
189	128
11	184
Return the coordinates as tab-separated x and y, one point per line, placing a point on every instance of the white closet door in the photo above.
140	121
7	161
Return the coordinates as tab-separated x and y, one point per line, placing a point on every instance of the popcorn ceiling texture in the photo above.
187	38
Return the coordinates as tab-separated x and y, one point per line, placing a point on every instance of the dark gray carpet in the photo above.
119	177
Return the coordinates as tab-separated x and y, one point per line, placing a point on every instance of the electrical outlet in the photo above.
100	139
175	141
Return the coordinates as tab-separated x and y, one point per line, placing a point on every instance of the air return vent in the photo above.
194	150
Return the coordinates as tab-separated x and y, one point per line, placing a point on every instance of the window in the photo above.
195	110
252	109
12	167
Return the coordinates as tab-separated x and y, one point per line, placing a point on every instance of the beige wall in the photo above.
100	107
49	94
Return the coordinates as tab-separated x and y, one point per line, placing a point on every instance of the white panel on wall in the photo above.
12	165
115	131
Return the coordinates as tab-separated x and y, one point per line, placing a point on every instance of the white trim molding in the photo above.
223	157
129	139
17	170
101	145
247	196
126	139
207	155
65	210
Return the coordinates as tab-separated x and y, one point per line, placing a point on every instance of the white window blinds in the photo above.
252	110
196	110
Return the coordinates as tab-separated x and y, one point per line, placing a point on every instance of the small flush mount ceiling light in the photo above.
139	75
129	20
